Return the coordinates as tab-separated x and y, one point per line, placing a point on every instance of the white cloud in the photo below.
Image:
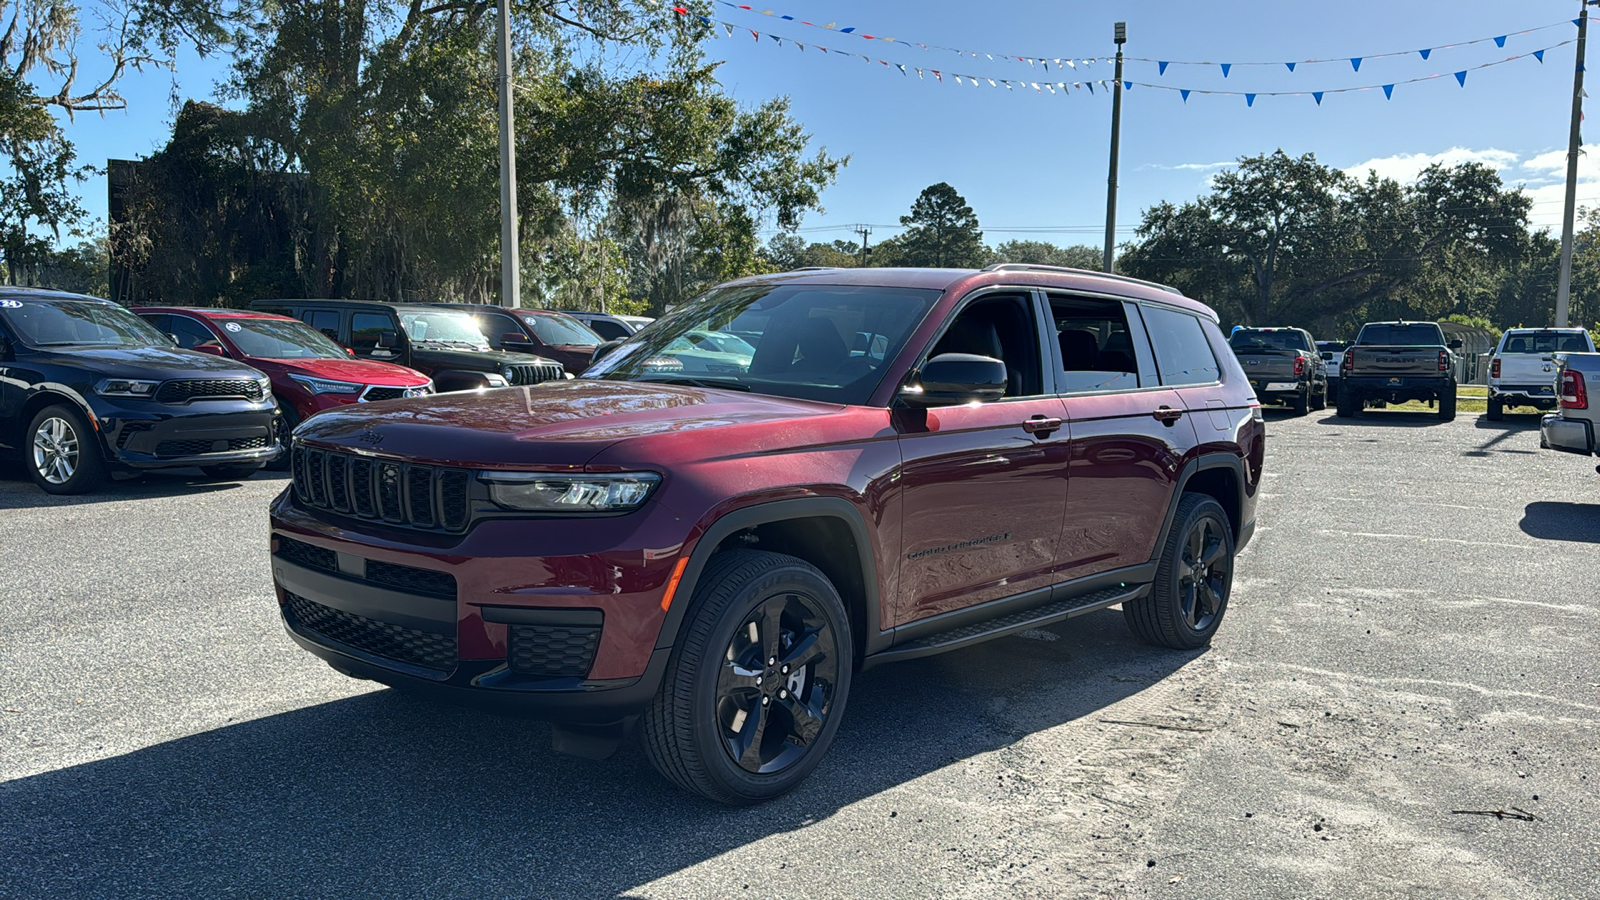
1542	176
1191	167
1405	167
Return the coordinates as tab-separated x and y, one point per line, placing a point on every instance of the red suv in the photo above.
912	461
309	372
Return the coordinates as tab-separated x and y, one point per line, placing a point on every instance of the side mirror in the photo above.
951	379
605	348
515	337
1455	344
387	340
213	349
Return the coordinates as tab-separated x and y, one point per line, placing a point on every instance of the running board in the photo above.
1036	617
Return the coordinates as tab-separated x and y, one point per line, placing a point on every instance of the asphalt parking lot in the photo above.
1410	646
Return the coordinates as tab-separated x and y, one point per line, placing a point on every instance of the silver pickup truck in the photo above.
1572	427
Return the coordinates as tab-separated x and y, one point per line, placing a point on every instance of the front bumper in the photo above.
148	435
1568	435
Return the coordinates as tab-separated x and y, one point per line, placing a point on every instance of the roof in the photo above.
490	307
211	312
41	295
419	305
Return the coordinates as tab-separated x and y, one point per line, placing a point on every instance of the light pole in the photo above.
510	263
1574	148
1120	35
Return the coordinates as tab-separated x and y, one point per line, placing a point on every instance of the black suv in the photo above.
444	344
87	387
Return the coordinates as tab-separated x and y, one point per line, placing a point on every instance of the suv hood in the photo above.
359	371
148	363
557	423
473	360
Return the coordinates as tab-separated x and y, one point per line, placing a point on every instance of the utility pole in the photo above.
864	231
1574	148
510	263
1120	35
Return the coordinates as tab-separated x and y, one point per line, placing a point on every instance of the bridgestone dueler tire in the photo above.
1496	411
1447	405
1157	617
680	731
1349	405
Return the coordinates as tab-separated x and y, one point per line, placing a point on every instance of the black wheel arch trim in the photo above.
743	518
1242	530
54	394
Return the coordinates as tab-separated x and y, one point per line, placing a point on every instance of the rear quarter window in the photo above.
1183	353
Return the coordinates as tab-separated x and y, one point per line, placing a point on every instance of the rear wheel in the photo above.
1186	603
1447	404
1496	411
1319	400
63	452
1349	405
758	682
1301	402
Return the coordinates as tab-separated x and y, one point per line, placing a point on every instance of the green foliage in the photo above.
941	231
1045	254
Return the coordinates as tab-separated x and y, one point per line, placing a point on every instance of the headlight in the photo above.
122	387
421	390
323	385
266	385
539	492
495	379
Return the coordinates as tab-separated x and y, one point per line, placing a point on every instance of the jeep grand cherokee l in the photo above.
912	461
88	388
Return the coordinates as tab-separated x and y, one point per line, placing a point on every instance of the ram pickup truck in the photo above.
1522	371
1572	427
1283	365
1393	362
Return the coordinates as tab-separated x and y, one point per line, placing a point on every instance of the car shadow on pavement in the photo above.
1559	521
382	794
1504	430
17	490
1386	419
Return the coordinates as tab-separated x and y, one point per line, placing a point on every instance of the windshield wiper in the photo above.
696	382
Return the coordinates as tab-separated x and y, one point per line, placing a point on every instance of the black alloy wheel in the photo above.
758	680
1186	603
284	425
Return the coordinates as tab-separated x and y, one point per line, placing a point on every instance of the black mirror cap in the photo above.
951	379
1455	344
601	350
387	340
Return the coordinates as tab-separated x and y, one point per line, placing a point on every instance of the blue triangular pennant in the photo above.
1500	41
1225	68
1461	78
1162	67
776	39
1539	55
1185	93
1127	85
1290	65
849	30
1090	84
1355	63
1425	53
1578	22
1388	91
1317	95
1249	99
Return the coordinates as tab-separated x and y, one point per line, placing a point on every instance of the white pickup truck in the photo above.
1573	428
1522	371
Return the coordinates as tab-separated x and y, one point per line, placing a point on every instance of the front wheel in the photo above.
758	682
63	452
1190	595
285	424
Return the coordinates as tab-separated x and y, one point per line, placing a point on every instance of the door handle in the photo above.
1168	416
1041	425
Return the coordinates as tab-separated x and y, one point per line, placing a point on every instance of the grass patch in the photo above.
1464	404
1471	390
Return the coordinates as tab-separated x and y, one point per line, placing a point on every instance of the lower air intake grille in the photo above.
412	580
419	648
196	448
308	555
552	650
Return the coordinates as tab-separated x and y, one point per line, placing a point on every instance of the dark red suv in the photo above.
912	461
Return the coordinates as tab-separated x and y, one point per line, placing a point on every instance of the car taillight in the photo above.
1349	360
1494	368
1299	365
1444	360
1574	394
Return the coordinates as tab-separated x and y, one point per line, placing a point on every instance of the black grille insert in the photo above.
308	555
383	393
199	447
536	373
412	580
431	498
552	650
209	389
419	648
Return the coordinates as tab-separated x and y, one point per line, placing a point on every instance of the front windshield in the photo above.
64	323
558	329
814	342
1268	340
443	328
1545	342
280	339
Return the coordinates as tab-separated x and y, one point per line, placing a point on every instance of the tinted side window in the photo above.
1099	348
325	321
159	321
611	331
364	331
494	326
190	334
1183	355
1002	328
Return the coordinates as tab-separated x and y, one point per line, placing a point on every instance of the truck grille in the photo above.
408	645
552	650
431	498
535	373
209	389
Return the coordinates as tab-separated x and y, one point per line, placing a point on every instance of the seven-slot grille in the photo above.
432	498
535	373
209	389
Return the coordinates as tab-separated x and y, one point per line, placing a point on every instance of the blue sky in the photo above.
1033	165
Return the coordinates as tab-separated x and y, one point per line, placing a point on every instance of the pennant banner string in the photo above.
1072	61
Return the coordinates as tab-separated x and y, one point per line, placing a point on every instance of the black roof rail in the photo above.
813	268
1038	267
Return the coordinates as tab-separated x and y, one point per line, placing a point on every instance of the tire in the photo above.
288	419
692	728
1179	611
1496	411
63	452
1319	400
1349	405
238	472
1447	405
1333	392
1301	402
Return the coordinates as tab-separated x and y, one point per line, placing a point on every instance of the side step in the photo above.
979	632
